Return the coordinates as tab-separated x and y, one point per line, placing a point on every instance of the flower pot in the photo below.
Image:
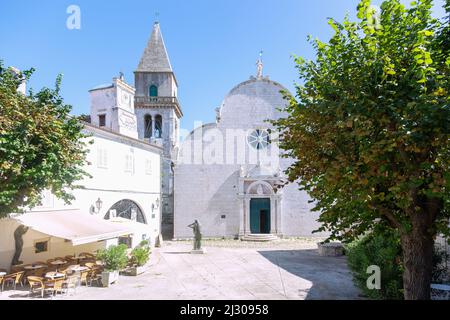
109	277
332	249
135	270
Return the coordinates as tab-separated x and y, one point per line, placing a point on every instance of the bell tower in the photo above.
158	114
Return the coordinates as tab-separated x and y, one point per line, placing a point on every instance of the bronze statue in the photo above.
18	234
197	235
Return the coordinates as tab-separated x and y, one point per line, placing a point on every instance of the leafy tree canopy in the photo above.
369	126
41	146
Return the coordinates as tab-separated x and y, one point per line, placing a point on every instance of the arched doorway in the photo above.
127	209
260	215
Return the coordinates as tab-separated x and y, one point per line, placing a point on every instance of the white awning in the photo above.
73	225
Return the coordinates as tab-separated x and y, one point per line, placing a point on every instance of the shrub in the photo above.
114	258
141	254
381	249
144	243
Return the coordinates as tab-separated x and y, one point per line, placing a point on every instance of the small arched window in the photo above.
153	91
158	126
148	127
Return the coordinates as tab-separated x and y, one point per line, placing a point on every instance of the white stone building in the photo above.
228	173
120	202
225	174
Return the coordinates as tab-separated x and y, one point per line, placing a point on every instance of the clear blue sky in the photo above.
213	44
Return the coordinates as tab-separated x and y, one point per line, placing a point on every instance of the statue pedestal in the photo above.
201	251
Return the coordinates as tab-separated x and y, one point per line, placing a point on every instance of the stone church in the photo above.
229	174
225	174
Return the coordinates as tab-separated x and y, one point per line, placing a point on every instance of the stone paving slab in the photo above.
229	271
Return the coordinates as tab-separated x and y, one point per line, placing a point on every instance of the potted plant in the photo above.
114	259
139	257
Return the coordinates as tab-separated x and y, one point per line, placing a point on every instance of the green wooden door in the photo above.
260	215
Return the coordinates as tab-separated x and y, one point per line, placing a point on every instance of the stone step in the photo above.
259	237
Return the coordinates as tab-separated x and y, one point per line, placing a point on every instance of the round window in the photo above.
259	139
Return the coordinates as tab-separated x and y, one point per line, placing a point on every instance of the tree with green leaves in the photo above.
41	146
369	129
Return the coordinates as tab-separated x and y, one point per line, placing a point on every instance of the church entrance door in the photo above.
260	215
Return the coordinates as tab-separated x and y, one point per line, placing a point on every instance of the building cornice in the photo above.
105	132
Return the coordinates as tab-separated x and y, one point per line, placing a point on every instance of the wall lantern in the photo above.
98	204
155	205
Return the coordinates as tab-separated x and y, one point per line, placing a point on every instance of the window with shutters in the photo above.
129	163
148	167
102	158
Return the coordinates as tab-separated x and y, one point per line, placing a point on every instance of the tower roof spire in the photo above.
155	57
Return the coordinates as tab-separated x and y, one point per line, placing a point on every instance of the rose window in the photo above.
259	139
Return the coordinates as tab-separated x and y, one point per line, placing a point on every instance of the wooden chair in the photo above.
90	265
86	261
84	276
71	259
71	282
56	285
1	283
52	269
38	283
87	254
95	274
66	269
12	279
15	269
39	272
20	278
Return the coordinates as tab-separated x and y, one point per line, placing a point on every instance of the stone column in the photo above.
241	216
247	216
278	210
273	215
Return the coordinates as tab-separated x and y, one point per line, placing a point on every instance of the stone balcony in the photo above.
156	100
152	102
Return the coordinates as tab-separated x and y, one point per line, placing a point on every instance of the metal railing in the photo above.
157	100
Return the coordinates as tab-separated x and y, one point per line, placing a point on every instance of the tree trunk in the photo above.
417	248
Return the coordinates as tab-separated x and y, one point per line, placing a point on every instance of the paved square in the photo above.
231	270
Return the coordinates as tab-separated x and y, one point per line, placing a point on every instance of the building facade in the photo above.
149	111
124	183
119	203
229	174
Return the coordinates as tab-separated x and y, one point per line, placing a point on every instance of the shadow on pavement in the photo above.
331	279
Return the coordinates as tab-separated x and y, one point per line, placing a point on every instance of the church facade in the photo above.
227	174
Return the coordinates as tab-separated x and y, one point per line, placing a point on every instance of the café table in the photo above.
79	269
2	274
34	266
58	262
79	257
54	275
